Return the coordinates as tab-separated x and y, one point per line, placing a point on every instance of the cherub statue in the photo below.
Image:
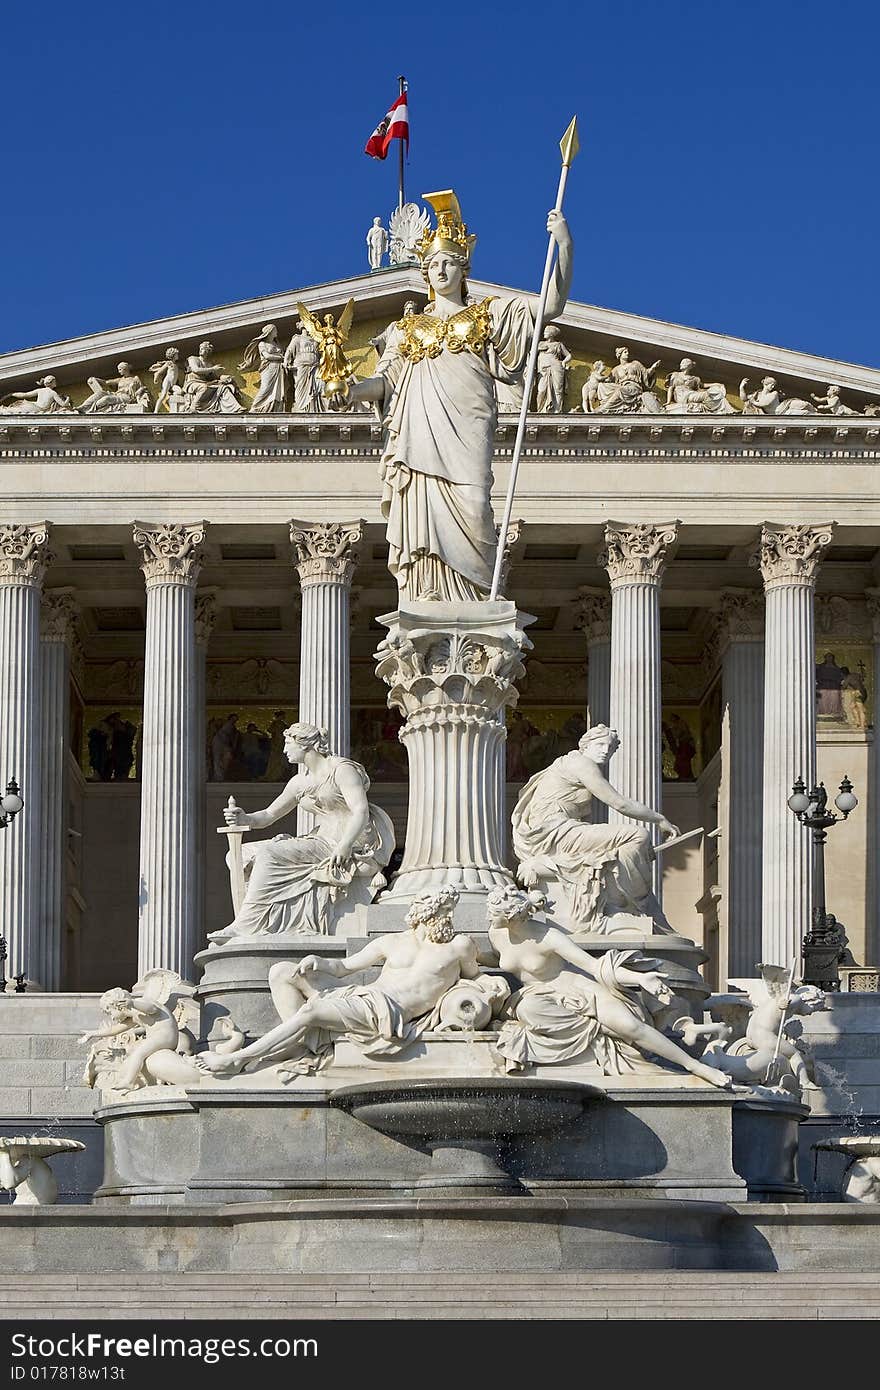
596	388
417	970
169	373
761	1056
43	400
147	1038
830	403
334	368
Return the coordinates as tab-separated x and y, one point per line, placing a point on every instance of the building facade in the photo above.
192	555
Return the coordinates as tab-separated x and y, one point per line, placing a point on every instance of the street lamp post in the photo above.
10	804
825	942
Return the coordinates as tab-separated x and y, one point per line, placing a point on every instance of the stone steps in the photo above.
644	1295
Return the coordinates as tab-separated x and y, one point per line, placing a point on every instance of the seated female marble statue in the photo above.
600	875
299	883
572	1006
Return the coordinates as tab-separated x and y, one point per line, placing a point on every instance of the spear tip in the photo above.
569	144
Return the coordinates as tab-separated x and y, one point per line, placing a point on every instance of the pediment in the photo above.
590	333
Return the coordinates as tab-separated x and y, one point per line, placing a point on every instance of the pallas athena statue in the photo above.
600	876
299	883
435	384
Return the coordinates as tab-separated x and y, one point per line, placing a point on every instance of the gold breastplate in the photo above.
424	335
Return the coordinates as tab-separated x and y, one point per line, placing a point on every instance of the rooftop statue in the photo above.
301	360
43	400
769	400
377	243
553	360
298	883
407	226
207	389
435	382
417	969
632	391
118	394
266	354
686	394
572	1006
601	874
166	372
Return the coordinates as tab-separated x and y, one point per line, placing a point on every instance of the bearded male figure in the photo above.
418	967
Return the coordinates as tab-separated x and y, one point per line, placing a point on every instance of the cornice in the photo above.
808	437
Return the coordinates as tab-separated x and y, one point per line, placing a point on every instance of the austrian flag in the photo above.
393	126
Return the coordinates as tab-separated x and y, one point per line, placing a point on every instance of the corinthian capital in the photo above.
326	551
58	614
637	554
24	554
593	615
206	615
172	553
791	554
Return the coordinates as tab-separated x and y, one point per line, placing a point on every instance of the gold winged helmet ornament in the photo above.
334	368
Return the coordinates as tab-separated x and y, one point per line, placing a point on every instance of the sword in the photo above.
233	834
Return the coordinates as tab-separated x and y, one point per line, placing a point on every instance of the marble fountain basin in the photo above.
466	1124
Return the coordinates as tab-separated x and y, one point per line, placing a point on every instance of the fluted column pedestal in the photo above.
59	616
450	669
23	558
635	557
593	618
168	896
789	561
326	558
742	767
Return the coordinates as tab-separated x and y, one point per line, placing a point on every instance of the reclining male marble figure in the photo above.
299	883
599	875
572	1006
418	969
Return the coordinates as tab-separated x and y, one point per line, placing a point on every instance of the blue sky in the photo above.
164	158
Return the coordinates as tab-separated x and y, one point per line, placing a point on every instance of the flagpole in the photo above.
400	198
568	146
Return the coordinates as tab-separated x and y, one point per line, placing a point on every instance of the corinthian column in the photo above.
326	559
635	558
23	559
59	615
450	670
167	897
872	597
205	617
741	636
788	558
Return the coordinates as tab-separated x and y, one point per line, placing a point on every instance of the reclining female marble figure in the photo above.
572	1006
418	969
600	875
300	883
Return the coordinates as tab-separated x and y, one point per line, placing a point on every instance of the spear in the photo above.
569	147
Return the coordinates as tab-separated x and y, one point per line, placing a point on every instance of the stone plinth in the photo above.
451	670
